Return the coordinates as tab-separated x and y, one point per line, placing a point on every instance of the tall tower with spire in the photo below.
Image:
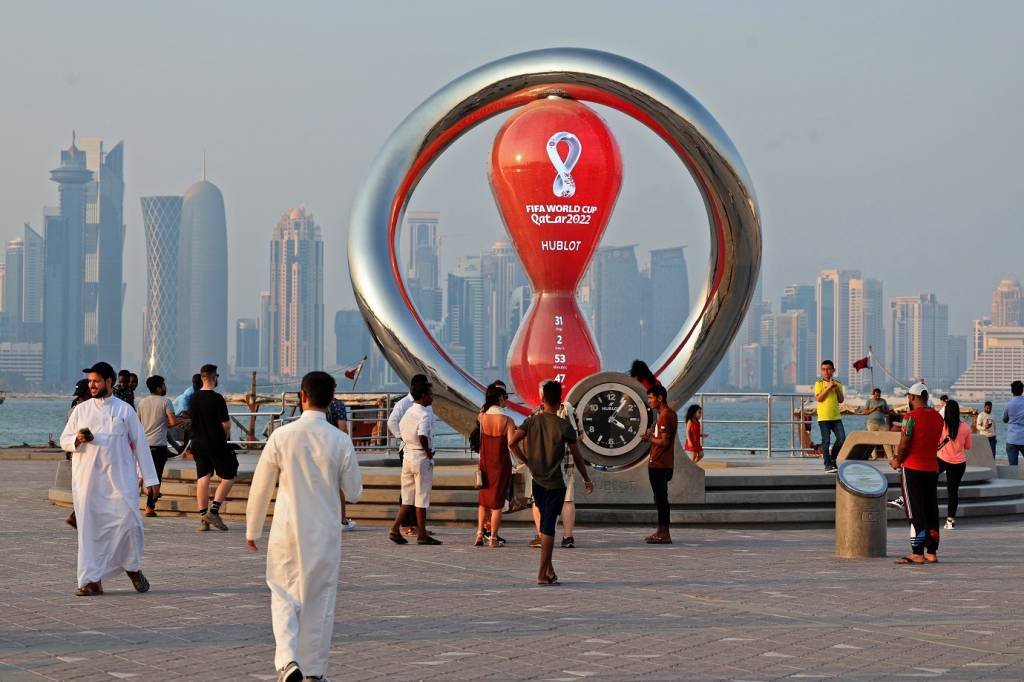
64	259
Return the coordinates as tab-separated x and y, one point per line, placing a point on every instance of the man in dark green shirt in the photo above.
547	435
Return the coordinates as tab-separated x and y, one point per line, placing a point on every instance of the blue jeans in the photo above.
992	444
1012	452
827	428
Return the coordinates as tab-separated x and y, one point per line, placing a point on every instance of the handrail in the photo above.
796	426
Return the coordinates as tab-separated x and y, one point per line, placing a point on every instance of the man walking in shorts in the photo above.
157	415
547	436
211	426
417	430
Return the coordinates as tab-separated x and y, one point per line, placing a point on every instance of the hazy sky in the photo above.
881	136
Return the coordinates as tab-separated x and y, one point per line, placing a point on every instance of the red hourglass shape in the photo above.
555	173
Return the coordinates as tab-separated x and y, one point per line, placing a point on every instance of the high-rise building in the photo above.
465	329
801	297
161	219
1000	360
103	291
247	344
64	257
978	337
866	329
264	330
351	337
918	346
1008	304
833	317
502	275
32	287
669	299
786	335
14	286
202	279
617	294
423	279
296	296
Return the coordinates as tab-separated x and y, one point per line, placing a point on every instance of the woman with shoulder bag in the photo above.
496	428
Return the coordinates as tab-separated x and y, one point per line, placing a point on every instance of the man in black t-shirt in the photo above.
211	427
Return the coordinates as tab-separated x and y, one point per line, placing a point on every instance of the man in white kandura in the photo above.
109	448
312	462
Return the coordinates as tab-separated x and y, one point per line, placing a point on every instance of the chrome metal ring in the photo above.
588	75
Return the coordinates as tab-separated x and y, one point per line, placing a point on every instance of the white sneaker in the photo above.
897	503
348	524
950	524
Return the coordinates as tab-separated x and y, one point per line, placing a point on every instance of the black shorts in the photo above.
549	502
221	461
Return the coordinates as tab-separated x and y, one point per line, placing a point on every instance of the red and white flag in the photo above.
354	371
863	363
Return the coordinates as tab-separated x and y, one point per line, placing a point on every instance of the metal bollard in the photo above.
860	511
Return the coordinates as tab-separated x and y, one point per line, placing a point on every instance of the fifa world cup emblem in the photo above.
556	226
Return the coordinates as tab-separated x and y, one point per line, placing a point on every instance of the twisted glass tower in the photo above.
161	217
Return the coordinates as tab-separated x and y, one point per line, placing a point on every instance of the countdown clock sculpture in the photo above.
555	236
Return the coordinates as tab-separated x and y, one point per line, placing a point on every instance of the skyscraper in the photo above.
202	279
161	218
32	286
616	304
264	330
103	291
466	322
502	275
1008	304
789	339
423	273
296	296
833	332
670	298
63	320
918	343
14	259
352	338
247	344
801	297
866	328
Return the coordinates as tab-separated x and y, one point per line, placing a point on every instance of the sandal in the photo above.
479	542
909	559
90	589
397	538
139	581
931	559
657	540
495	541
429	540
550	580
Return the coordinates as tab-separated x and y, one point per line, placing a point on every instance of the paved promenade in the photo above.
721	604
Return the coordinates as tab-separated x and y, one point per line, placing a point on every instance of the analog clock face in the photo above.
612	418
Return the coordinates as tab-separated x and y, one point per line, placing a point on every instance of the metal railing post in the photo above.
769	426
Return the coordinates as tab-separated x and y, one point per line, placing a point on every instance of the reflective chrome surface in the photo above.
701	143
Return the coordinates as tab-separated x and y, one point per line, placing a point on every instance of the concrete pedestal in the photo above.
860	525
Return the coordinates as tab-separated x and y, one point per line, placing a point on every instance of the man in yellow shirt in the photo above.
829	393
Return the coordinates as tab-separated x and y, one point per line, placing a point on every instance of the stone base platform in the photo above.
740	491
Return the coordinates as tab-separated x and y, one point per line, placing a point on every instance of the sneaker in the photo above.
897	503
214	519
950	524
346	524
831	470
290	673
535	542
568	542
203	525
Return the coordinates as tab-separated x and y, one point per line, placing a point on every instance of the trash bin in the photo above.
860	511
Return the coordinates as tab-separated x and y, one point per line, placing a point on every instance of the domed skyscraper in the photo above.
202	279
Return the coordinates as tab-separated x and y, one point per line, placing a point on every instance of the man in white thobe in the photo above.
394	428
310	462
109	450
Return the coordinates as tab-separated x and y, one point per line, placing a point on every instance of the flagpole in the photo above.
871	366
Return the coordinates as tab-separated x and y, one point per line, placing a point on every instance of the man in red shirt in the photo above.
662	460
917	454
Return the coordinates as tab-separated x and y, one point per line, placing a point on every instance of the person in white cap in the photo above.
917	454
